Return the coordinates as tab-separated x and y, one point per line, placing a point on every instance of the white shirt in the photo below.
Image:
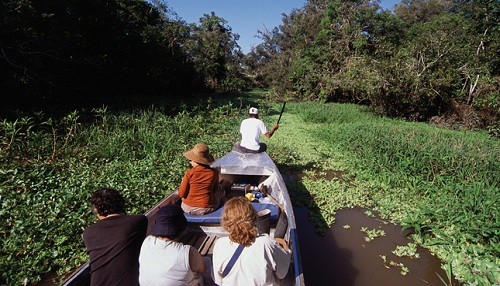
251	129
259	264
166	263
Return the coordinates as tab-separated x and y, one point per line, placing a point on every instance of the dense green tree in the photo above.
452	58
482	77
58	55
428	58
269	63
420	11
215	53
345	32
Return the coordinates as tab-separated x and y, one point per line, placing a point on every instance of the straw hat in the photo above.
199	154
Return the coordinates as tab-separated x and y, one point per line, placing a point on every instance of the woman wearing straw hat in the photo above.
200	190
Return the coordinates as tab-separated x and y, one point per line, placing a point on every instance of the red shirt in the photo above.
198	185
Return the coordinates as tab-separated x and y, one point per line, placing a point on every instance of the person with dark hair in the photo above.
262	260
114	241
200	190
251	129
164	260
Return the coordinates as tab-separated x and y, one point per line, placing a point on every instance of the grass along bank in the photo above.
443	184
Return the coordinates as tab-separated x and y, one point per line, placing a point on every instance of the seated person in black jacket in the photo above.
114	241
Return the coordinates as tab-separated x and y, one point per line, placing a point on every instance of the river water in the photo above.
342	256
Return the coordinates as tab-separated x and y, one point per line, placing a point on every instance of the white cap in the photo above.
253	110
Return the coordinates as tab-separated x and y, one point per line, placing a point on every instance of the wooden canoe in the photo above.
245	173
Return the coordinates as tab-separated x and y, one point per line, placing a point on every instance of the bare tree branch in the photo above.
25	69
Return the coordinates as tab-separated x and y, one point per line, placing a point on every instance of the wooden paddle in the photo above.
281	113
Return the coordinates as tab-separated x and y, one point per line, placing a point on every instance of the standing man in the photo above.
251	129
114	241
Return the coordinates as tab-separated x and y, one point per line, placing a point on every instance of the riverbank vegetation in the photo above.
101	93
50	167
443	185
426	60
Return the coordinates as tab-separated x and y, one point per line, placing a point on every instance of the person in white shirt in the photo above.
164	261
251	129
263	261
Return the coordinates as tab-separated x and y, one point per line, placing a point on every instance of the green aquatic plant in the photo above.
371	234
449	275
409	250
404	269
50	167
440	185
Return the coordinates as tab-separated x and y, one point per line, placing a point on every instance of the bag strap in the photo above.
233	259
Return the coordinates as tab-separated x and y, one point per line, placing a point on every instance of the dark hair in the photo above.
108	201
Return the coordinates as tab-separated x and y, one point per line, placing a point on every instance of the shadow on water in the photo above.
342	256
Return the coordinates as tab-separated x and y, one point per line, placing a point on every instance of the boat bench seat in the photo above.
215	217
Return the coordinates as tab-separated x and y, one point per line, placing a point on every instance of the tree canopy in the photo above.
431	60
428	60
74	54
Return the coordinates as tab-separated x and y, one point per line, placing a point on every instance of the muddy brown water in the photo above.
342	256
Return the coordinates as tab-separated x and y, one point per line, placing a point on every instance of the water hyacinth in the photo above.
441	184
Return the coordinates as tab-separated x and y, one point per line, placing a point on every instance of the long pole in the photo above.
281	113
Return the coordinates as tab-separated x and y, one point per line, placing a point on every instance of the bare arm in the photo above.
282	256
281	242
270	133
196	261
